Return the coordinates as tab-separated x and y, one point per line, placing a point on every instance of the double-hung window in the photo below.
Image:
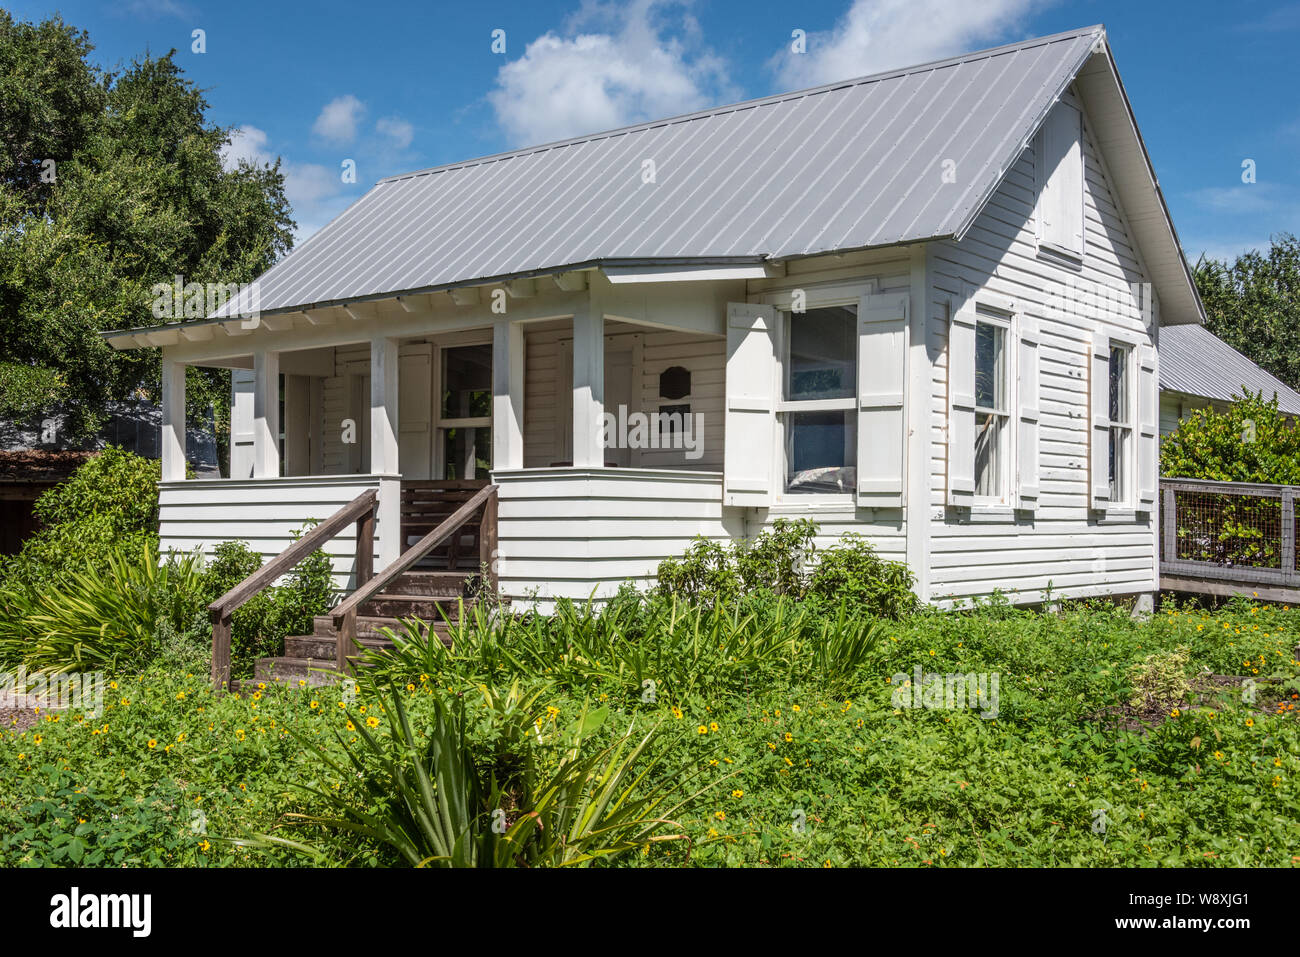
1120	414
818	411
992	408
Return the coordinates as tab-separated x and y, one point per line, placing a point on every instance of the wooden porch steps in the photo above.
426	596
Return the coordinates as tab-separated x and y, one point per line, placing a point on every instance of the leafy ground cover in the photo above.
773	736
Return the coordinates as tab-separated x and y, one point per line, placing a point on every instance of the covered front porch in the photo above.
426	399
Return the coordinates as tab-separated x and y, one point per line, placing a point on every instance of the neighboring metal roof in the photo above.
848	165
1195	361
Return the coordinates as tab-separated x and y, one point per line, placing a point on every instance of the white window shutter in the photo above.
750	435
882	375
1148	455
241	423
1027	400
1099	422
961	404
415	409
1060	179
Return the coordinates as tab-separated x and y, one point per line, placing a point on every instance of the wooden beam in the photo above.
198	333
521	288
571	281
319	317
354	313
464	295
278	323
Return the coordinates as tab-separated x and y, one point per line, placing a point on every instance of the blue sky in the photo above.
396	86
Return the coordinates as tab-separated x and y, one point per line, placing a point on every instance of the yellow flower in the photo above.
738	793
261	686
720	815
372	722
1174	713
239	734
37	740
1250	722
1218	755
180	696
702	730
302	682
153	743
677	712
410	687
181	736
713	832
204	845
795	708
351	726
789	736
713	726
315	705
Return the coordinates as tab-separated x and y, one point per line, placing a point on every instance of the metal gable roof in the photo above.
1195	361
845	166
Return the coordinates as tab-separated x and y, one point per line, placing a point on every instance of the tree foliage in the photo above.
1254	305
111	182
1249	442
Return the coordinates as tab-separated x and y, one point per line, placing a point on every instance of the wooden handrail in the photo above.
360	510
345	613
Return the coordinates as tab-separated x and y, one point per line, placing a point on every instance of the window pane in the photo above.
1118	464
990	366
988	454
467	452
467	382
822	451
823	354
1118	384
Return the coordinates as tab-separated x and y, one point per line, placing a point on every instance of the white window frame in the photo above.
438	424
816	297
1005	320
1127	480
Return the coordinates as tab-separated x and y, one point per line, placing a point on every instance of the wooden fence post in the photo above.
1288	534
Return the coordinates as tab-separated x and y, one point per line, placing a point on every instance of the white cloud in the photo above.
338	121
399	132
1243	199
246	143
646	63
878	35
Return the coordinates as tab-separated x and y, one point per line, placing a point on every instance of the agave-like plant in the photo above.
98	620
434	803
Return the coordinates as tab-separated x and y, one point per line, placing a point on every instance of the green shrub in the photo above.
782	561
851	573
1252	441
1160	680
101	618
109	502
258	628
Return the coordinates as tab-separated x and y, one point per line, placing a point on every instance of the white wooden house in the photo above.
923	306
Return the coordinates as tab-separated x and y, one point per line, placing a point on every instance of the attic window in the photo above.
1060	181
675	382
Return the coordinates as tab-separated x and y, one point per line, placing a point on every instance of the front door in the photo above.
463	435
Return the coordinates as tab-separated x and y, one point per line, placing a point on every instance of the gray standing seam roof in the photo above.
1195	361
849	165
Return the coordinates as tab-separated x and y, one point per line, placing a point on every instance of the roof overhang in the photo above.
1133	177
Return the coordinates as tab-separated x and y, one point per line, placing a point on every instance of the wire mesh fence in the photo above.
1228	530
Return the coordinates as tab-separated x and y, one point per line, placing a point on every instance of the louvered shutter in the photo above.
241	423
749	443
882	374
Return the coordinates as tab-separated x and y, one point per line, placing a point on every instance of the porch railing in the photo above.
361	510
1231	532
345	613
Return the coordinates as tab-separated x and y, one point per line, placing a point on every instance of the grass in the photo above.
790	722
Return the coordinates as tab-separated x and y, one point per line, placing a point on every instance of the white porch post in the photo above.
383	448
173	421
588	388
508	395
266	414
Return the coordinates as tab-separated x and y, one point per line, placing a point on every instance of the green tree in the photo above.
1249	442
137	194
1254	305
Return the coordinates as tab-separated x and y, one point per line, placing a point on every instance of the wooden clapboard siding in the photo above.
546	414
565	533
1063	543
263	513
